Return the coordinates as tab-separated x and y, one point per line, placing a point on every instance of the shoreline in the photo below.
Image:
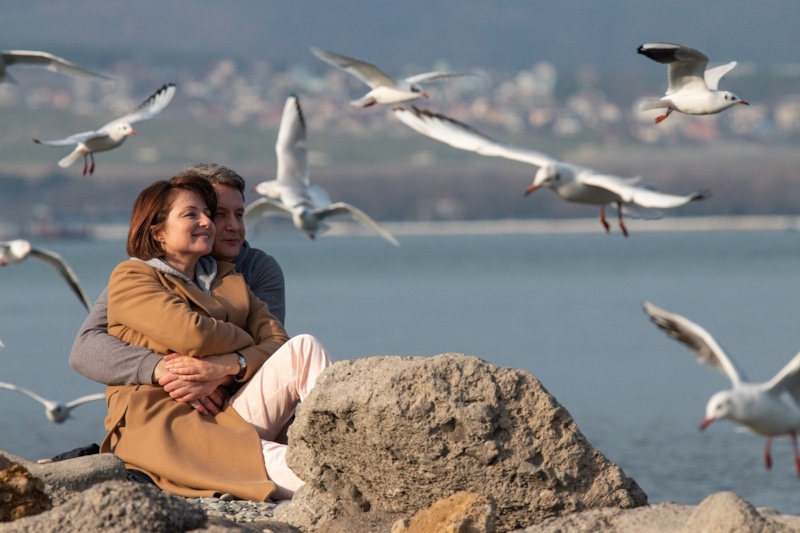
551	226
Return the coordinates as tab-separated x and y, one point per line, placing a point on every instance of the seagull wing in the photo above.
341	208
73	139
435	76
459	135
787	380
696	339
63	268
290	148
85	399
631	191
714	75
265	206
366	72
154	104
26	392
686	65
48	61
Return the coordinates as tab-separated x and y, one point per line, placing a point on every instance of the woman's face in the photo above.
188	232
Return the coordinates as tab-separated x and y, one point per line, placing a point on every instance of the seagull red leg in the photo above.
91	168
621	223
767	454
795	452
661	118
84	164
603	220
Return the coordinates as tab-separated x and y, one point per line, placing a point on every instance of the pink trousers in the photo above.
269	399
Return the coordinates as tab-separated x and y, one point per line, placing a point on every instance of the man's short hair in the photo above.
218	175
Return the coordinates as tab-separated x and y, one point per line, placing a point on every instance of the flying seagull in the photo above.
759	407
40	59
57	412
112	134
692	89
19	249
292	192
384	90
573	183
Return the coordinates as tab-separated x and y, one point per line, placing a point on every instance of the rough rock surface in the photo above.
116	506
724	512
463	512
21	494
395	434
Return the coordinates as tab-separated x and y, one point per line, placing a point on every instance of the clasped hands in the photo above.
198	381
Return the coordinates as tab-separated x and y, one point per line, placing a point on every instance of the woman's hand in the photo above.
208	397
195	381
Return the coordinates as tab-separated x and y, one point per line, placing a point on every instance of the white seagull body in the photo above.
292	192
19	249
692	89
573	183
57	412
40	59
759	407
112	134
384	90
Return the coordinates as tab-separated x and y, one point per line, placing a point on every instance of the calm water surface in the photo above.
566	308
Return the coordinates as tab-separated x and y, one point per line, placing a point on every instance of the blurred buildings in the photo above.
585	104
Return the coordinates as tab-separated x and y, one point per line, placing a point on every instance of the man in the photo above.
105	359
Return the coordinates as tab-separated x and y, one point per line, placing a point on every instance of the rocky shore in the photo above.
394	444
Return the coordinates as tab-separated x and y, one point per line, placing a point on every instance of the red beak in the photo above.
133	132
531	189
425	95
705	423
743	102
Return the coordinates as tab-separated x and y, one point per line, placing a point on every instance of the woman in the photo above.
174	299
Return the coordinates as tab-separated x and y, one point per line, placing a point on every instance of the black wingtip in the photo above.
37	141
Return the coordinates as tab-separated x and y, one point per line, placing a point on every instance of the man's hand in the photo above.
207	368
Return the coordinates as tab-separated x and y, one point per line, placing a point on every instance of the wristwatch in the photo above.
242	367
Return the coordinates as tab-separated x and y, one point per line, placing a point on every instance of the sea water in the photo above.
566	308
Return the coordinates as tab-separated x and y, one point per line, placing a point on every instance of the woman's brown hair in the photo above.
152	206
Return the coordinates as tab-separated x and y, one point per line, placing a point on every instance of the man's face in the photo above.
229	222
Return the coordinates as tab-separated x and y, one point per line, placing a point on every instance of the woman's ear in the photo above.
157	233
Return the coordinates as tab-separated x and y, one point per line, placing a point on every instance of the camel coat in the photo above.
184	452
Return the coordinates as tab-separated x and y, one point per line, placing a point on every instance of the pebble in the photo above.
242	511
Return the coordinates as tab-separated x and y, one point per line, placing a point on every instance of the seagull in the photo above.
19	249
385	90
573	183
56	412
114	133
40	59
759	407
692	88
292	192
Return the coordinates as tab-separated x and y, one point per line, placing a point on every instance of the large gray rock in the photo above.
395	434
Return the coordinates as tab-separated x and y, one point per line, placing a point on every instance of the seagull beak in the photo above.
133	132
425	95
705	423
531	189
743	102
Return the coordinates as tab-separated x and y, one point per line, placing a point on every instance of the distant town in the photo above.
229	111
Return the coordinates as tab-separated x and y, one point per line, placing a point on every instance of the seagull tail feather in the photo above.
76	154
651	103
